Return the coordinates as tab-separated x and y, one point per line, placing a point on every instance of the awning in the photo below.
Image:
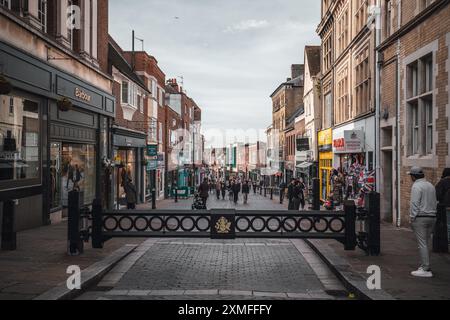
304	165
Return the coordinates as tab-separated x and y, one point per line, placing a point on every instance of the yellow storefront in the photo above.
325	140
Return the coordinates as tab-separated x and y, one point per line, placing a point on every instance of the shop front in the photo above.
54	131
354	155
128	148
325	141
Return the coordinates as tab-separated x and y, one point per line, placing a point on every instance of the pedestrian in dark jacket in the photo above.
302	187
236	191
203	191
291	194
443	188
130	194
223	189
246	191
296	196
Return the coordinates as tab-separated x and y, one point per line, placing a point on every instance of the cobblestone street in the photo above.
219	269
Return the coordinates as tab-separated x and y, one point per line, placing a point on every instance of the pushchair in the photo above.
198	203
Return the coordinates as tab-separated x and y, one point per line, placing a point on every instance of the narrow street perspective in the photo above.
265	153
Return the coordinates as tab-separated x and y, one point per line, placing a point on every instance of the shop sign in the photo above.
303	144
152	151
325	140
339	145
152	165
82	95
354	141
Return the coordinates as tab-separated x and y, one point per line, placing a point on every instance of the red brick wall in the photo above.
427	32
139	119
102	34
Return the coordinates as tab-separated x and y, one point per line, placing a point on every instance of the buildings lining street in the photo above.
102	146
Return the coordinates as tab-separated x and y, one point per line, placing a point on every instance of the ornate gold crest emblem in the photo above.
223	226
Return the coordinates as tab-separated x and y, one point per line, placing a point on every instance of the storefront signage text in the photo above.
352	142
80	94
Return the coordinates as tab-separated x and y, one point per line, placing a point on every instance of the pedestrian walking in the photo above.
203	191
254	187
443	188
130	193
423	209
245	191
230	188
302	188
296	196
218	189
291	194
236	191
223	189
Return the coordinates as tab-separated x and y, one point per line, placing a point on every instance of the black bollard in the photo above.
265	192
316	194
9	235
75	244
374	223
176	195
97	224
350	241
271	193
153	199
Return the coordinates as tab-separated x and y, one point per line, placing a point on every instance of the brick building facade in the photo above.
415	83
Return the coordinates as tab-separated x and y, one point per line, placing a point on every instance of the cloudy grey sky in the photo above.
232	53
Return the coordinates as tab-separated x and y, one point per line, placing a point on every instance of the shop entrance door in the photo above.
72	166
387	204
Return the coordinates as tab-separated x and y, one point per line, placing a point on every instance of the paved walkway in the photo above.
40	261
399	257
208	269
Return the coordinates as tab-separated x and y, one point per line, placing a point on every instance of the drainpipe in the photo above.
398	121
377	97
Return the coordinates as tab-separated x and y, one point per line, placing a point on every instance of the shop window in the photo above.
19	139
77	171
127	158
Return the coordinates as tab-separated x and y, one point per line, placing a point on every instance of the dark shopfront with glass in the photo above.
129	151
54	131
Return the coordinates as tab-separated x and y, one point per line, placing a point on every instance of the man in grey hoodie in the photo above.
423	210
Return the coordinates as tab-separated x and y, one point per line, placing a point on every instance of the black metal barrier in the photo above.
440	236
225	224
368	219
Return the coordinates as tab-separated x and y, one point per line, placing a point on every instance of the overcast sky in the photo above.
232	53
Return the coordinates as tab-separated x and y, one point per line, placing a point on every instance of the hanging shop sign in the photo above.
303	144
152	151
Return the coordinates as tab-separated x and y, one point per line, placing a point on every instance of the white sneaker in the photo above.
422	273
